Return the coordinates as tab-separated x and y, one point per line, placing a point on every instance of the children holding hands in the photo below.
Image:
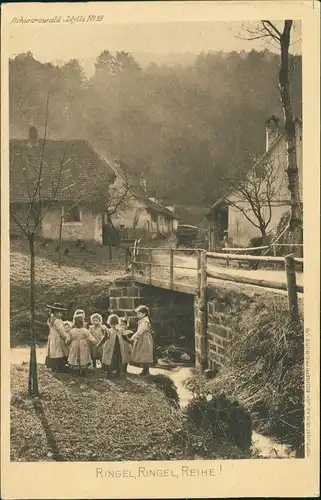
115	345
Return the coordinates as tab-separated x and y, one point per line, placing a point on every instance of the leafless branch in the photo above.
272	30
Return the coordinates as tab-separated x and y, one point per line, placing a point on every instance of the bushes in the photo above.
167	386
265	372
221	418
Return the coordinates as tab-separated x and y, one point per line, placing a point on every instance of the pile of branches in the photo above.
176	354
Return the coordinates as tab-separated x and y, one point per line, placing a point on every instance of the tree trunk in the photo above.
60	236
33	388
290	132
264	236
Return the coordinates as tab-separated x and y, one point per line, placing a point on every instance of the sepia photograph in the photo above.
156	242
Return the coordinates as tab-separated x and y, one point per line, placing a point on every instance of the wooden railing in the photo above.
144	259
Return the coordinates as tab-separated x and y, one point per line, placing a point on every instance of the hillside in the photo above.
77	282
182	125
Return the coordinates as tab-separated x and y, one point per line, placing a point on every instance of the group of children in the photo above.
77	346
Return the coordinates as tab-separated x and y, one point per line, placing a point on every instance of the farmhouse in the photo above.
78	188
142	214
229	216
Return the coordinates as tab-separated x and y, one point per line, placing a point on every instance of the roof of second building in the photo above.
134	184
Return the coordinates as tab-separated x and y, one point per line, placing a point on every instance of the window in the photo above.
154	217
71	215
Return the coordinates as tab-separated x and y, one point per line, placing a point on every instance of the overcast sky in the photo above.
52	42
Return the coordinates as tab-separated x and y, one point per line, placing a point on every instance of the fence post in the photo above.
133	266
201	313
171	268
126	257
291	284
149	266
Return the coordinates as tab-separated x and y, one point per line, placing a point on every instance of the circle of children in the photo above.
77	346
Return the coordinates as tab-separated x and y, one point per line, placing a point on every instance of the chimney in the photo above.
272	131
33	137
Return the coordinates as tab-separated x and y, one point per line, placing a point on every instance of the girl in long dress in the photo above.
57	349
143	343
113	348
79	359
98	331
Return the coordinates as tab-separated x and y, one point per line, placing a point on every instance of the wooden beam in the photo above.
252	281
250	258
244	249
177	287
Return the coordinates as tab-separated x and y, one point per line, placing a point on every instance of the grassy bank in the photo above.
78	419
265	372
80	280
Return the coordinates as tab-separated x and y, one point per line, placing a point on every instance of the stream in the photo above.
263	446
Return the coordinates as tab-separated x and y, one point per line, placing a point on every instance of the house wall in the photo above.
240	230
136	211
89	229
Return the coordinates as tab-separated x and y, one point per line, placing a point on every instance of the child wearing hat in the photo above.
57	349
113	357
98	331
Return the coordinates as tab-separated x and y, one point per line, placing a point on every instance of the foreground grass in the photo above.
89	419
93	419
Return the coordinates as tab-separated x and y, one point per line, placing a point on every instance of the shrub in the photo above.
221	417
167	386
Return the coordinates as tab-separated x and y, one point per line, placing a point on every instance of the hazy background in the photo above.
168	43
183	103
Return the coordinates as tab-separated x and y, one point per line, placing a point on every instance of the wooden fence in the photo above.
144	258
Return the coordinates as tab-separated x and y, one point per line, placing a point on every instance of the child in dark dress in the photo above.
126	329
113	348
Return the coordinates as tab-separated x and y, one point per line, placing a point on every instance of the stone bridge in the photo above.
180	313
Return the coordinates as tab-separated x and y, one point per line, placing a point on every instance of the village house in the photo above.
224	219
75	210
142	214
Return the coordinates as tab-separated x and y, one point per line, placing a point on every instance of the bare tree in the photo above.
255	194
99	194
29	222
281	36
109	199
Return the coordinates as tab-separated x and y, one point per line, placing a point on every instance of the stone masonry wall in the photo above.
125	296
172	312
225	305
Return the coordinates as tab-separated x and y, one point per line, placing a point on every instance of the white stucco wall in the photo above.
88	229
240	230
